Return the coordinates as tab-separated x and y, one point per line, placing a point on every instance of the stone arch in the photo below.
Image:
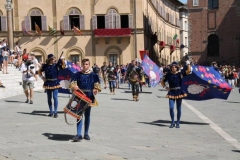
112	7
73	11
35	12
106	53
75	52
39	52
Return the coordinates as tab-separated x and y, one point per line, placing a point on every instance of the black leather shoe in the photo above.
55	116
172	126
177	126
50	115
27	101
77	138
87	137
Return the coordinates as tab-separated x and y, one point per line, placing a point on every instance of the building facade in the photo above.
162	30
112	30
214	31
184	25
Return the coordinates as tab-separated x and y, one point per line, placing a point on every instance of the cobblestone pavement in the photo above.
120	129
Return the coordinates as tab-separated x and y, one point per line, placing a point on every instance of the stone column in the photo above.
8	7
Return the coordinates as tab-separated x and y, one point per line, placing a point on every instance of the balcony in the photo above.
120	32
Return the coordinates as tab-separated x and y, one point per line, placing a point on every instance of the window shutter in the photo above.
114	16
107	22
44	23
82	22
4	23
94	22
110	17
27	23
130	21
118	21
66	22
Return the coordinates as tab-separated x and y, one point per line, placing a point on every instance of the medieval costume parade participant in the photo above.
134	76
87	82
175	93
104	74
112	76
51	82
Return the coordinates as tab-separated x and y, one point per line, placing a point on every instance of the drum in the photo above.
77	105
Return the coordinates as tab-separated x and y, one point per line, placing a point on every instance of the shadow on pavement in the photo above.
236	151
161	96
139	92
162	123
14	101
121	99
58	137
232	102
162	89
39	113
102	93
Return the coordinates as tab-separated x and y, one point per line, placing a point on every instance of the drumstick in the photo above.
61	55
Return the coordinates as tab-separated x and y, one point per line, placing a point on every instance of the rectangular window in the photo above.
74	21
113	58
124	21
75	59
0	23
213	4
37	20
195	2
186	26
100	22
186	41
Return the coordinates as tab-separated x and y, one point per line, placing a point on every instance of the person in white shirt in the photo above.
35	63
4	42
28	77
17	49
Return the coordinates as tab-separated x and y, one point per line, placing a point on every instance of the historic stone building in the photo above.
112	30
214	31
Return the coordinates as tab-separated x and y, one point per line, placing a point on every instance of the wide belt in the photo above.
175	88
52	79
84	90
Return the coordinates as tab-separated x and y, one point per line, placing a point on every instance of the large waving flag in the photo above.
65	75
205	83
38	30
152	70
76	30
52	31
27	32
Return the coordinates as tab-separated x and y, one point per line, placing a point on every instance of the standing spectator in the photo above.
4	43
17	49
118	71
104	74
12	56
28	72
5	55
112	76
35	63
229	77
235	76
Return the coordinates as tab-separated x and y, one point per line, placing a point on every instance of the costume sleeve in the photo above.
41	69
164	80
97	83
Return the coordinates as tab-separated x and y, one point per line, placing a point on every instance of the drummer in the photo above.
88	82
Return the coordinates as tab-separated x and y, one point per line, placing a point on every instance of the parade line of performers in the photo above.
88	83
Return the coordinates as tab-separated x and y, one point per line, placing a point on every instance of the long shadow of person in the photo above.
58	137
39	113
164	123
